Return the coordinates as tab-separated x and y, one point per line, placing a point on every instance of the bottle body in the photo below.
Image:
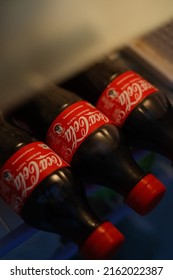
144	114
87	140
41	187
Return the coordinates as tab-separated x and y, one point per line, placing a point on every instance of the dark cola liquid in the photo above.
150	125
58	204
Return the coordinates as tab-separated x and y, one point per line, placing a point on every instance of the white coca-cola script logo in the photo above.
124	101
29	175
133	94
75	132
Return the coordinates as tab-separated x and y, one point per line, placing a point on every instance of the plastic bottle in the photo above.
41	187
91	144
142	111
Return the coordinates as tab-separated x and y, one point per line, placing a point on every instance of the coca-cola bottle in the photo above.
143	112
42	188
85	138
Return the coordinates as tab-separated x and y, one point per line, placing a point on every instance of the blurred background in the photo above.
46	41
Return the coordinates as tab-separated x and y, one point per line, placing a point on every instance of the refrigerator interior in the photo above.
55	44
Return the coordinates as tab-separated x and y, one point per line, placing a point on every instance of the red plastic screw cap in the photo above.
146	194
103	242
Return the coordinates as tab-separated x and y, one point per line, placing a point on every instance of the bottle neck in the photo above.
90	83
39	113
102	73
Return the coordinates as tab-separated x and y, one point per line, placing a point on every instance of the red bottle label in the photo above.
72	127
122	95
24	170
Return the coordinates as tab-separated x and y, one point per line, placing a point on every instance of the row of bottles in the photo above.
57	143
141	110
88	140
43	189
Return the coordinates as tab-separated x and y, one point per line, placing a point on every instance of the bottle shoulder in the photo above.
153	107
100	143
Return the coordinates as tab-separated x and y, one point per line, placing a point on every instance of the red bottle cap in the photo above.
146	194
103	242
